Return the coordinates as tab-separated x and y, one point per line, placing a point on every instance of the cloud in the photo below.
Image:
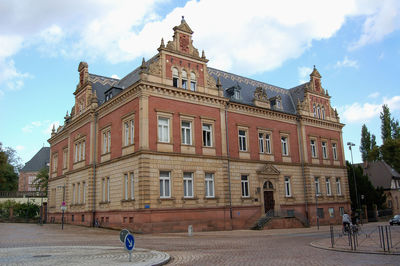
44	126
19	147
247	39
357	112
115	76
346	62
384	19
303	73
374	95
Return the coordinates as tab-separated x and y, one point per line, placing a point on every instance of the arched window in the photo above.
268	185
184	80
192	81
318	112
323	112
314	110
175	77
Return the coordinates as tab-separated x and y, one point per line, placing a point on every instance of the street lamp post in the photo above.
350	144
316	207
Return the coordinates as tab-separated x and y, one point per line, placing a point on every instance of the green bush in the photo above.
21	210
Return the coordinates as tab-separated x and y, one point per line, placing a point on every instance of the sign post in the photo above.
63	208
129	244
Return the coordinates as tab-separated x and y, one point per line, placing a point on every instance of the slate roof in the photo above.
248	87
39	161
380	174
289	97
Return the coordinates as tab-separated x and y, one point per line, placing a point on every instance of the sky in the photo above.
354	44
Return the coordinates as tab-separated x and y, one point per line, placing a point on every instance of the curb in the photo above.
314	245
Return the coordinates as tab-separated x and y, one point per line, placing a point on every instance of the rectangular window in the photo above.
324	150
79	151
175	82
184	84
73	194
261	142
268	143
106	141
163	129
313	149
129	132
338	188
242	140
65	158
328	186
209	183
126	186
103	194
186	132
165	186
245	186
84	192
76	152
317	187
132	186
126	132
79	192
108	189
83	150
288	190
188	185
193	85
284	141
55	162
341	211
334	151
331	212
207	135
320	212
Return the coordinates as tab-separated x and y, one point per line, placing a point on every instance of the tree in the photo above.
364	187
390	151
395	129
374	154
42	179
386	126
365	146
8	176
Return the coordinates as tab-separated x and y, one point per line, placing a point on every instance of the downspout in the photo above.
94	170
300	136
228	157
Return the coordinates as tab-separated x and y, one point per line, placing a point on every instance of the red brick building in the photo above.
177	143
28	173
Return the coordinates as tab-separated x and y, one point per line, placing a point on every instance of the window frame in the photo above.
334	151
243	139
285	144
186	132
288	187
338	186
324	149
188	182
132	185
328	186
164	129
317	186
209	132
163	181
245	186
313	146
209	179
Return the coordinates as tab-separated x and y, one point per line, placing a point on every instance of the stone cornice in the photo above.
310	121
261	112
182	55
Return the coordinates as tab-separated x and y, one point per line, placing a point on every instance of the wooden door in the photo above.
268	201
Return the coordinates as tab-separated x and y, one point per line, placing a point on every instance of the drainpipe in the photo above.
228	156
94	169
300	136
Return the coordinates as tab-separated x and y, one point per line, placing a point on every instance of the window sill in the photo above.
165	199
127	200
78	205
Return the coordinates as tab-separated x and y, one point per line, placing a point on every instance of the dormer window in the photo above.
192	81
278	103
236	94
175	77
184	80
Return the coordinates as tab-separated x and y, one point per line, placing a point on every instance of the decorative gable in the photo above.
268	169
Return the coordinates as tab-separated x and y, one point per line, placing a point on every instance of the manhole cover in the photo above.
41	256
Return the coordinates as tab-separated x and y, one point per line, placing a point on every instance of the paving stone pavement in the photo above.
238	247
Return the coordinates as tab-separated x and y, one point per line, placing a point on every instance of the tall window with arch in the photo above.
323	112
192	81
314	110
184	79
175	77
318	112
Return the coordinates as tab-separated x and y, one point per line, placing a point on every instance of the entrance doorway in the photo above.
268	201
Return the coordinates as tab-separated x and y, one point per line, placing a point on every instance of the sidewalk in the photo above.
368	240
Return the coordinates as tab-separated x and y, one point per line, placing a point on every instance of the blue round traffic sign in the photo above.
129	242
